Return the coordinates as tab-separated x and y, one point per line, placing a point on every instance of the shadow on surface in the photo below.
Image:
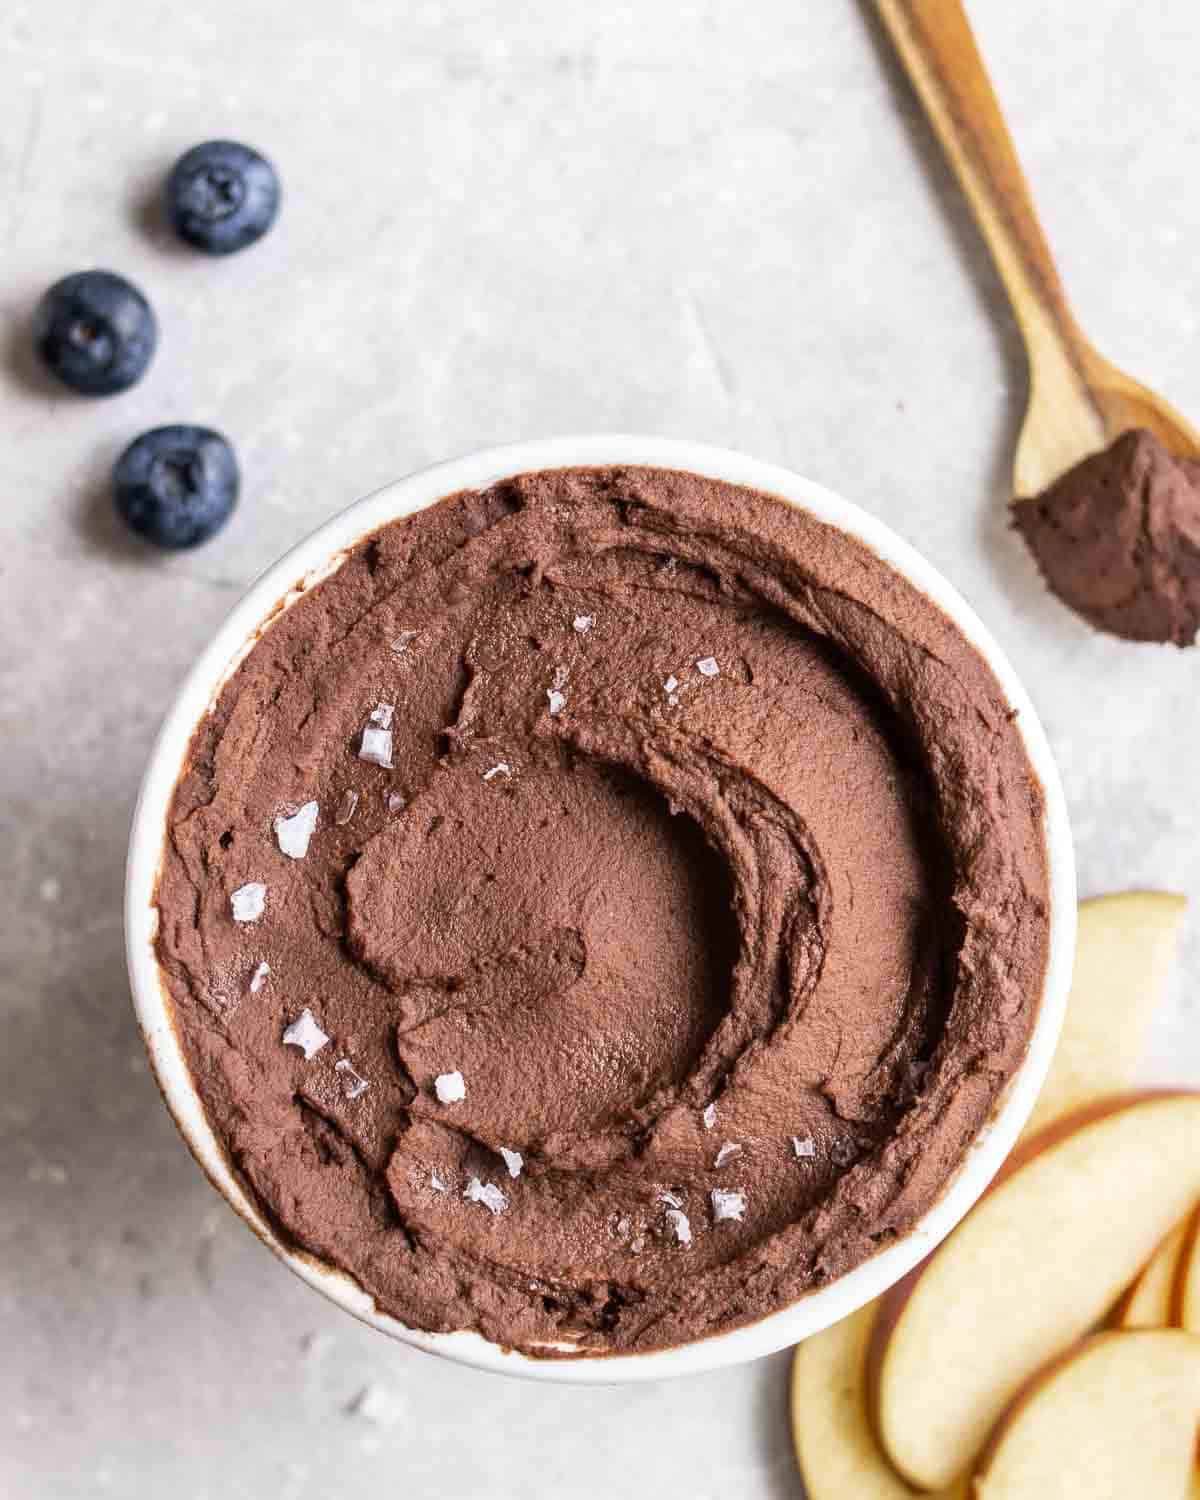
147	213
96	519
773	1423
21	365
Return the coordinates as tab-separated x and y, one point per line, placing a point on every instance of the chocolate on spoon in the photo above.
1106	474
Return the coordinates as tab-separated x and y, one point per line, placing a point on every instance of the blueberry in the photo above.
176	486
95	331
222	196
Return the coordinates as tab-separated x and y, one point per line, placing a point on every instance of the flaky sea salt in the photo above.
382	715
305	1034
293	833
707	667
709	1116
554	694
249	901
670	1200
378	1405
403	641
501	768
487	1193
583	623
803	1147
396	802
727	1205
354	1085
671	684
346	807
436	1183
681	1224
730	1148
259	977
376	747
513	1160
449	1088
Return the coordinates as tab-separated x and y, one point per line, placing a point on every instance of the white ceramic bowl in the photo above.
316	557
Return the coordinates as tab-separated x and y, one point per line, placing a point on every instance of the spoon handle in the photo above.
938	50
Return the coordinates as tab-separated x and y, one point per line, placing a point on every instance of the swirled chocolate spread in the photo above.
603	910
1118	539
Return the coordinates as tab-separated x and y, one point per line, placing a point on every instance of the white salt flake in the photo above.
623	1228
449	1088
346	807
583	623
709	1116
377	1405
638	1244
730	1148
707	667
681	1224
376	747
382	715
396	802
403	641
436	1183
487	1193
557	701
259	977
305	1034
671	684
501	768
513	1160
293	834
354	1085
727	1205
249	901
673	700
670	1200
803	1147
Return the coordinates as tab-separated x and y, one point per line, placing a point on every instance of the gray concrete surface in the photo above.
501	220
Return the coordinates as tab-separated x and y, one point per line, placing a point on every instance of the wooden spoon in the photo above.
1078	401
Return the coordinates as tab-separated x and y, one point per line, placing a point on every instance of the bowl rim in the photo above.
318	555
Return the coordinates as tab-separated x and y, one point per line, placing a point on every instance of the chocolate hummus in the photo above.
603	910
1118	539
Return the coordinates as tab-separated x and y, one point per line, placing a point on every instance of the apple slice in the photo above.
1185	1299
835	1447
1147	1303
1112	1419
1123	959
1042	1258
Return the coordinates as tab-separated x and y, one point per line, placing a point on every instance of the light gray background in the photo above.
503	218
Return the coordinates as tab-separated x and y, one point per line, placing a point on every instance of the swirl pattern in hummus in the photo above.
710	858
